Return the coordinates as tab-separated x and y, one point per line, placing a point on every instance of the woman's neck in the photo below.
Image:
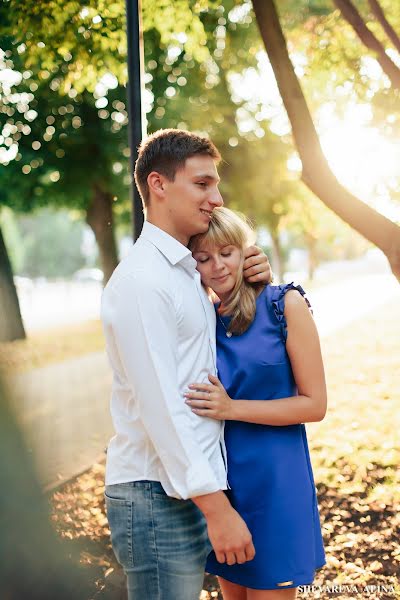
223	298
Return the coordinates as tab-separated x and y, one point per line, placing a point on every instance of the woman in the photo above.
271	381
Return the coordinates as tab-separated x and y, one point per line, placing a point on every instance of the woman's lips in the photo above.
222	278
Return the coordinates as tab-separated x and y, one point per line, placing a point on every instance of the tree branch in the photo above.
353	17
316	172
381	18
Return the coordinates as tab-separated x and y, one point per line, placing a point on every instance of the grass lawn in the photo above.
355	454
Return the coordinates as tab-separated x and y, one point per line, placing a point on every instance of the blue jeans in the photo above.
160	542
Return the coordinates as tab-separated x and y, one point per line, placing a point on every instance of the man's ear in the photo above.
155	181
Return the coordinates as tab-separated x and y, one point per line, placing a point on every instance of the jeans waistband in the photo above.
146	484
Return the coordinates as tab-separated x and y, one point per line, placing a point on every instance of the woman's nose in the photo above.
218	263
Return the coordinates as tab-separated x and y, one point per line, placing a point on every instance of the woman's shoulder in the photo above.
285	294
277	293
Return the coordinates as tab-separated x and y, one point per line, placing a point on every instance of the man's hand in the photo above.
256	267
228	533
230	538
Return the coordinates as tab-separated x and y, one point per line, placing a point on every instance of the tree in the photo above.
316	171
187	72
51	244
71	149
11	326
353	17
70	156
380	16
192	48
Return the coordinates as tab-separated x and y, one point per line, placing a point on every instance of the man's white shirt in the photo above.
160	336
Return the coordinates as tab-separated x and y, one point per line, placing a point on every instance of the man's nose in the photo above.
216	198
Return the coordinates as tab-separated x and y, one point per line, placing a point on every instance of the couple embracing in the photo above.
209	465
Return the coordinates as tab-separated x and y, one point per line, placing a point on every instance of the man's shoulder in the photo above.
144	267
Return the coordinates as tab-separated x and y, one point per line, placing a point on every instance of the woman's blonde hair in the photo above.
230	228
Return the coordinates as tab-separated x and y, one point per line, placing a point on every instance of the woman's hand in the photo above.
210	400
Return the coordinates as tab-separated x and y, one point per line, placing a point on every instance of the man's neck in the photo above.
168	228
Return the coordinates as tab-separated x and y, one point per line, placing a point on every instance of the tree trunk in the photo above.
99	217
11	326
386	26
353	17
316	172
277	259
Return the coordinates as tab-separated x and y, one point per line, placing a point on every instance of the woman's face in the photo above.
218	267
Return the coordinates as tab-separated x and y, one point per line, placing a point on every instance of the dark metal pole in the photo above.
136	125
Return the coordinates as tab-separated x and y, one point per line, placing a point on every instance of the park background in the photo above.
65	220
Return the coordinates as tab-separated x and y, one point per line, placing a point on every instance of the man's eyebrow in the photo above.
207	176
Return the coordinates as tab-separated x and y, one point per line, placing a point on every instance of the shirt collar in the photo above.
173	250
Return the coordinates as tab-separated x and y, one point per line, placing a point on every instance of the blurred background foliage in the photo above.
63	140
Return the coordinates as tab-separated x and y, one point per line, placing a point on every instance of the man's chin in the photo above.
201	228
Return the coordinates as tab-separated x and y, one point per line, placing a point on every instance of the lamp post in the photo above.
136	125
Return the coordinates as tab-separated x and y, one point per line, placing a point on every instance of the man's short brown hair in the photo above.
166	151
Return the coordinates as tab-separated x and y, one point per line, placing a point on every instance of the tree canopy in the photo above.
70	142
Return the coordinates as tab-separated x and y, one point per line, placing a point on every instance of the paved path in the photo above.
64	408
338	304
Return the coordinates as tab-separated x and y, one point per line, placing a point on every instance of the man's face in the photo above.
192	197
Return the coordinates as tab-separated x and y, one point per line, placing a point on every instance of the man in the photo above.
165	465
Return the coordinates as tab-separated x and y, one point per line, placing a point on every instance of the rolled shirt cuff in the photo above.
198	480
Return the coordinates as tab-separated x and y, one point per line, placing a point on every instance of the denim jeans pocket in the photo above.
120	519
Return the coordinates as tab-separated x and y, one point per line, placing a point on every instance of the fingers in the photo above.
254	269
200	403
204	412
259	273
239	557
251	251
250	551
257	259
202	407
202	387
257	278
204	396
206	387
206	408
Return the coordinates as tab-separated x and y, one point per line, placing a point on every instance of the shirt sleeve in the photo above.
144	325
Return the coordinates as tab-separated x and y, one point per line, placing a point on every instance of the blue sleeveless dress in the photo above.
269	469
